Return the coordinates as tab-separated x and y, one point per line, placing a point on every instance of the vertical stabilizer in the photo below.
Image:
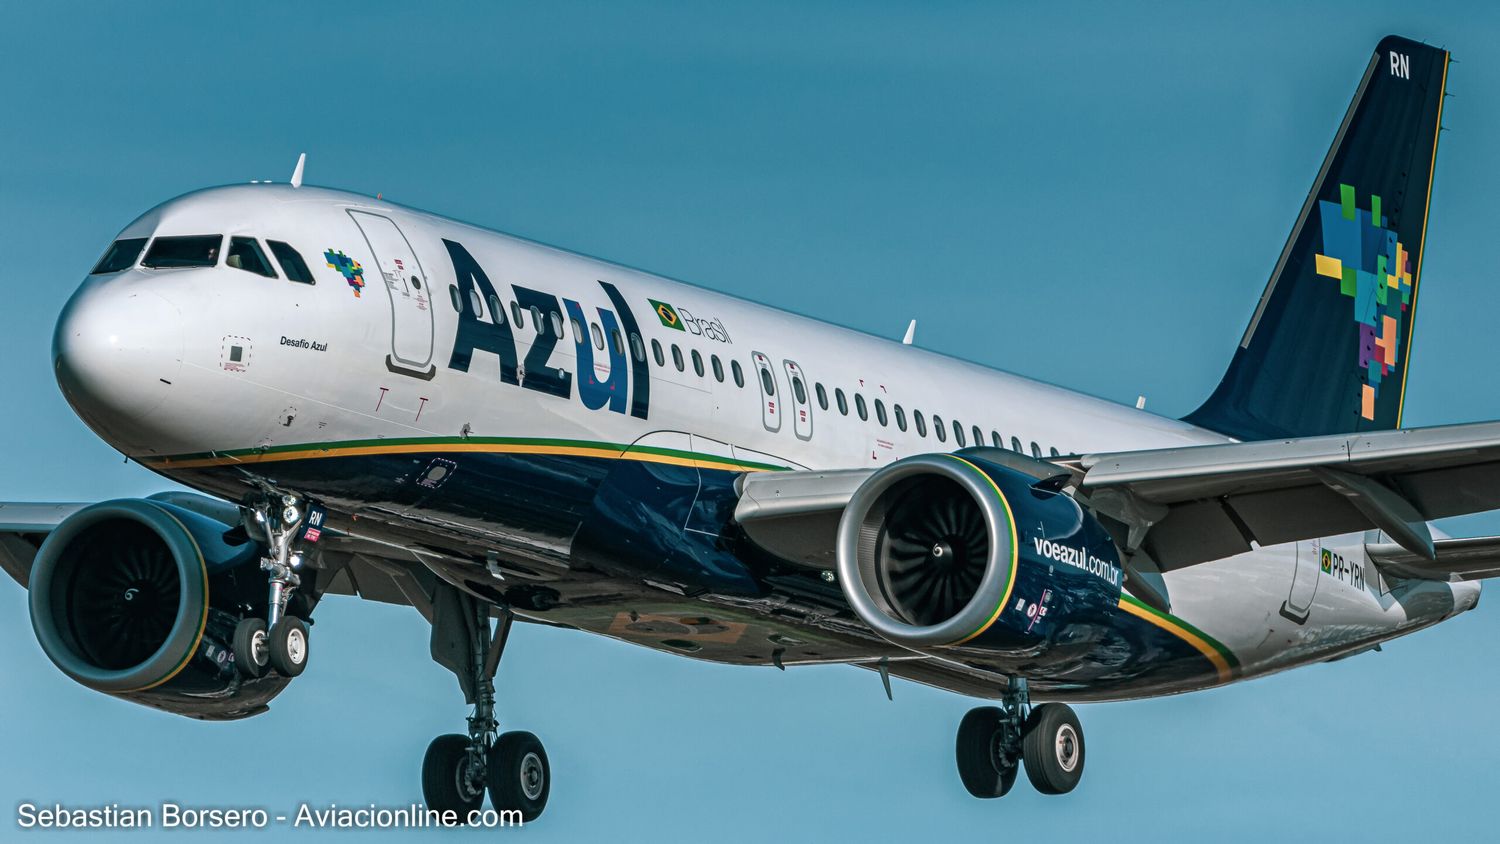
1328	347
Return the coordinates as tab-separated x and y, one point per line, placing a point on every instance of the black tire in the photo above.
444	782
519	776
288	646
1052	746
252	648
981	762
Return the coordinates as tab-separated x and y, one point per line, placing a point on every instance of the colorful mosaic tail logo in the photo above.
1374	269
348	267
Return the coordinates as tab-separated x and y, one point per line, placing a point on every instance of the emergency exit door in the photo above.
408	291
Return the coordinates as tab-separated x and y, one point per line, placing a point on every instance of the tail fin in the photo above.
1328	347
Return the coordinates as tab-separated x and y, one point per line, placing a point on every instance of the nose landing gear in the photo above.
280	641
995	742
457	769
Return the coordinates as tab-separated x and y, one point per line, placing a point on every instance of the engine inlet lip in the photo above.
192	603
856	561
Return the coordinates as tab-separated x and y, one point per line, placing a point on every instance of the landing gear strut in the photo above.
459	769
279	641
995	742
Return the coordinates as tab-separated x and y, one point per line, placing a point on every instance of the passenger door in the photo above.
407	288
801	402
770	403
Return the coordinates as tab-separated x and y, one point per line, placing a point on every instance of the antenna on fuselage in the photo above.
297	173
911	334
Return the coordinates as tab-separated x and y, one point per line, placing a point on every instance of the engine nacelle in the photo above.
941	550
138	598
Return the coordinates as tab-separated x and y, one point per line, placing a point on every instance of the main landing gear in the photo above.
279	641
459	769
995	742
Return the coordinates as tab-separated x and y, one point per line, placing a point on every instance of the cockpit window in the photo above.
291	262
245	254
121	255
199	250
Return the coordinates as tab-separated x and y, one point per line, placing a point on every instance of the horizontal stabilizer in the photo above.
1474	558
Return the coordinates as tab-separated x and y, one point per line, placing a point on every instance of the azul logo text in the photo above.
625	389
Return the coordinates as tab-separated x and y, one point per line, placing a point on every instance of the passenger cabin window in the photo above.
958	433
996	440
245	254
120	256
900	417
598	335
497	310
697	363
458	302
637	348
616	342
859	407
536	320
718	369
291	262
1036	450
557	326
176	252
515	314
822	396
656	353
767	383
880	412
917	417
1015	445
937	428
978	436
739	374
1053	450
798	390
474	300
677	357
577	330
838	397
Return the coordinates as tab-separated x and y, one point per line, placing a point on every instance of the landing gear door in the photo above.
770	402
800	401
408	291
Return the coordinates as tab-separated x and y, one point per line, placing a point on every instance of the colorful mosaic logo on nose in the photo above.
348	268
1374	269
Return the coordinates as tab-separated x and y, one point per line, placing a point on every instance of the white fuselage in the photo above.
317	364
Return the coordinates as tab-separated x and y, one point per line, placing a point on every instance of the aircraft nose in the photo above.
116	353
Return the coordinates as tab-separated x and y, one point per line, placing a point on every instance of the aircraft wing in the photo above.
1188	505
23	526
370	570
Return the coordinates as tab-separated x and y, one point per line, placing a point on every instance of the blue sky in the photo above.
1092	195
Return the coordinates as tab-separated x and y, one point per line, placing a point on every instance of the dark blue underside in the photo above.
655	535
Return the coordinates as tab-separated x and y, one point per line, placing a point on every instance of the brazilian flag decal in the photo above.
667	314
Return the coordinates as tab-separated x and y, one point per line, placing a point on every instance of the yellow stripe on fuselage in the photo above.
1198	642
419	448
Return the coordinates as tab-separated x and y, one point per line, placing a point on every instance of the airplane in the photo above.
370	400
